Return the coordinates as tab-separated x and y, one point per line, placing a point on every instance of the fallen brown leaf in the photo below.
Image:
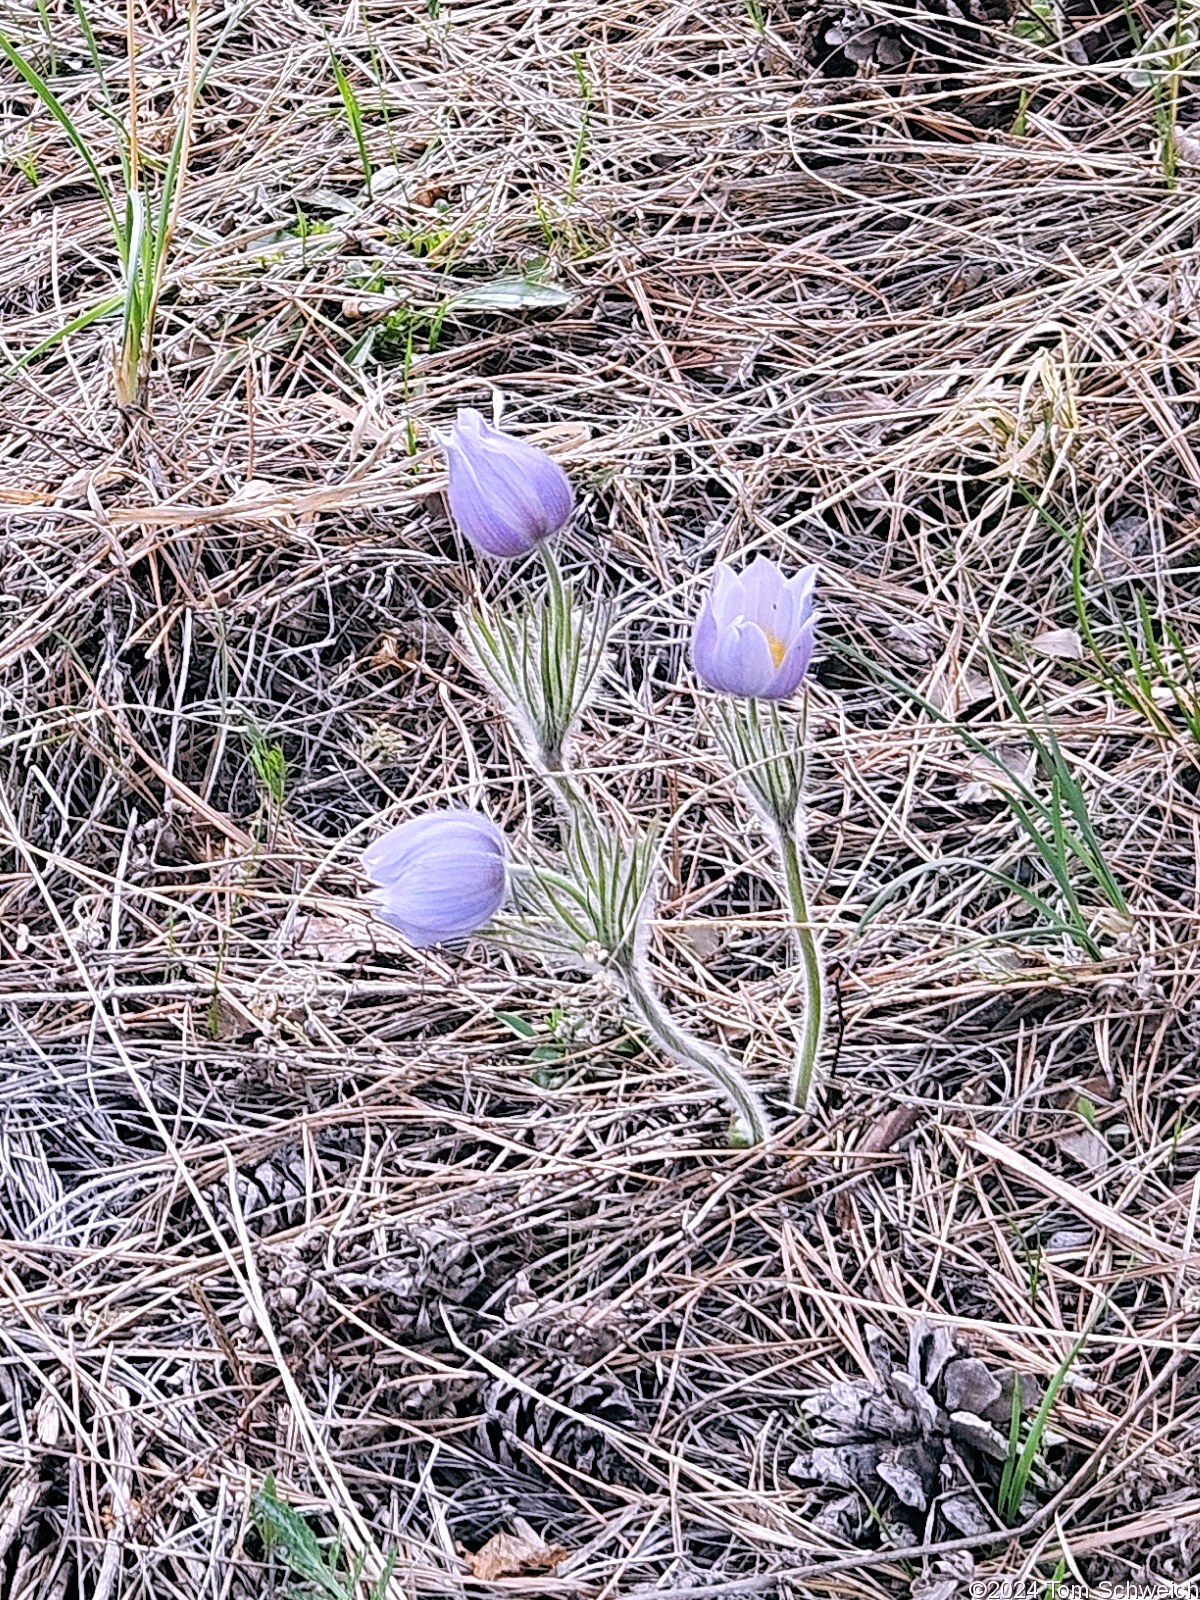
508	1555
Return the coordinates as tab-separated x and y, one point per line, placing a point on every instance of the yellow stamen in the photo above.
777	648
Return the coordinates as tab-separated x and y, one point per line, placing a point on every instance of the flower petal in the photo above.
704	640
762	582
787	677
726	595
801	587
391	854
539	477
487	512
448	894
742	661
505	495
769	599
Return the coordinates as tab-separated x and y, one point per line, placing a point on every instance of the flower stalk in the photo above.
597	911
688	1051
812	971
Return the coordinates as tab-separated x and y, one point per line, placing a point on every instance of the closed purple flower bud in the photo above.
754	633
441	876
505	495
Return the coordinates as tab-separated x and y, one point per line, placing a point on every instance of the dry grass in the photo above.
279	1196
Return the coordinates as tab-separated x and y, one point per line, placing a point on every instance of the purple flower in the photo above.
442	875
505	495
754	634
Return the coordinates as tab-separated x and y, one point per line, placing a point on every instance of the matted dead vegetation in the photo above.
437	1241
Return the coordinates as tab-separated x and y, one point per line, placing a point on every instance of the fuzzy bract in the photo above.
441	876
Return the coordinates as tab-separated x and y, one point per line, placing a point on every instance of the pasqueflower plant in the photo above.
753	639
445	874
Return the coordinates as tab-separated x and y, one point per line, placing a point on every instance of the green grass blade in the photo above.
1004	1495
83	320
385	1578
108	110
1021	800
1141	700
56	109
1188	709
892	889
43	12
1084	844
90	40
353	115
1009	1507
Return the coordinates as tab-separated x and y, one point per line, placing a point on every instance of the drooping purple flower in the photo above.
505	495
754	633
441	875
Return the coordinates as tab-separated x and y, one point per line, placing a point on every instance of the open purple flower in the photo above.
754	633
441	876
505	495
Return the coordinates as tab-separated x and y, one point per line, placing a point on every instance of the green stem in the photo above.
692	1052
814	977
564	793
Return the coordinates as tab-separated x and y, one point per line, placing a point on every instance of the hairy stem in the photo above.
692	1052
814	977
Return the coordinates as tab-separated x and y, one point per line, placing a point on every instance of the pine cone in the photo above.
940	1423
513	1417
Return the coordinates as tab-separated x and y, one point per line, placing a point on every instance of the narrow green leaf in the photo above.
510	294
353	115
56	109
83	320
280	1526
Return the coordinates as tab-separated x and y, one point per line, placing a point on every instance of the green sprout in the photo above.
585	91
269	764
283	1529
353	114
1019	1463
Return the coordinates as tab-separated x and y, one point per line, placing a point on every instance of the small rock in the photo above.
383	179
1070	1242
1062	642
